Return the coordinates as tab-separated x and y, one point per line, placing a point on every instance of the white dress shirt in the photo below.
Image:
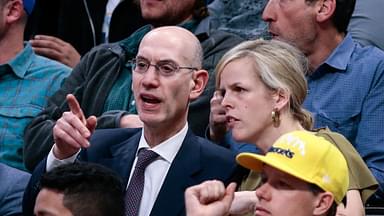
155	172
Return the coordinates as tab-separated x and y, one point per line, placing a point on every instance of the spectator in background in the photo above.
242	17
64	30
268	76
345	80
367	26
13	183
80	189
303	175
102	81
26	80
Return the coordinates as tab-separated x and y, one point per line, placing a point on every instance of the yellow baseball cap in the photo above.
306	156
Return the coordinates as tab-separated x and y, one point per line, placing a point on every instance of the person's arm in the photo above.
38	138
13	185
119	119
56	49
354	205
369	140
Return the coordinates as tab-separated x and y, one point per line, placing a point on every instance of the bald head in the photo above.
179	40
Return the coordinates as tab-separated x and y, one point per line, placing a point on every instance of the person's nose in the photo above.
268	12
151	77
264	191
227	101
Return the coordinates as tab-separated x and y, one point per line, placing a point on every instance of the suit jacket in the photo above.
13	183
197	160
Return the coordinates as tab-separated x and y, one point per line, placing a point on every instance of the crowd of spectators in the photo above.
139	107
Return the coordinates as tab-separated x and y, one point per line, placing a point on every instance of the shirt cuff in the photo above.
53	162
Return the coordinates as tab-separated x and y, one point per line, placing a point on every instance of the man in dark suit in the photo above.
167	75
13	183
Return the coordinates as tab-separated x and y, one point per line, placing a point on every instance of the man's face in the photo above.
162	101
166	12
50	203
283	194
292	21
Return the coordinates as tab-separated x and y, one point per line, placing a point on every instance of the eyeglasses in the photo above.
165	68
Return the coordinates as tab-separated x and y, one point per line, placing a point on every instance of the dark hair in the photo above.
200	10
316	190
342	14
89	189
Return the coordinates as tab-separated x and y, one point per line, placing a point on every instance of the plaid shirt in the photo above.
25	82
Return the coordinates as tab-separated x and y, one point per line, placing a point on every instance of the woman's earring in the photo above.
275	117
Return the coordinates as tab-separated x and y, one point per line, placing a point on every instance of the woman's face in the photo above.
248	102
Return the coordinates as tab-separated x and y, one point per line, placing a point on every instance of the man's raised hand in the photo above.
72	131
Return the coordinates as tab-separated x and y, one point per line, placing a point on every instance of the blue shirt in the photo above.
26	82
346	94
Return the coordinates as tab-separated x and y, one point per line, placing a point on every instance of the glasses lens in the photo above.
167	68
140	65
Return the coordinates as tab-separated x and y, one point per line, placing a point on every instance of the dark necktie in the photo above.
136	185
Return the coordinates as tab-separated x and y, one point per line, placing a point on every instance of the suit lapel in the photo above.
170	200
122	157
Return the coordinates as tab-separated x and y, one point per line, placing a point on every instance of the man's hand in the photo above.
72	131
209	198
243	203
56	49
131	121
217	118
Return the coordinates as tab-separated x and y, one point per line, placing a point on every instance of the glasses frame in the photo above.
157	67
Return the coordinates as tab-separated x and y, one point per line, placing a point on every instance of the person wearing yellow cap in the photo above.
302	175
260	91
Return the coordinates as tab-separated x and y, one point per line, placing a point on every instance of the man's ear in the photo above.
199	81
323	203
281	99
325	10
14	10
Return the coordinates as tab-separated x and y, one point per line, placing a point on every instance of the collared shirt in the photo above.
156	172
26	82
346	94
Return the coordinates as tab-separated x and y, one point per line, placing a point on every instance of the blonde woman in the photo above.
261	87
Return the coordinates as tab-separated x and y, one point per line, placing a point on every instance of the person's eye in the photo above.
239	89
283	185
167	69
141	65
222	92
263	178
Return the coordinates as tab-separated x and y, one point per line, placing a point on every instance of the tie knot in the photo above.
145	157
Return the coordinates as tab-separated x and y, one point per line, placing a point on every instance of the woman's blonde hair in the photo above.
280	66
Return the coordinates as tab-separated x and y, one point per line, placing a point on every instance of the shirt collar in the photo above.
169	148
340	57
22	61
